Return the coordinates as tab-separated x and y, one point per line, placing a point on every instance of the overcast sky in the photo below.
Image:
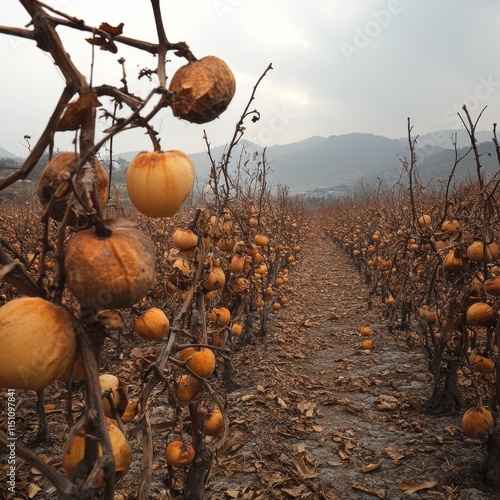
339	66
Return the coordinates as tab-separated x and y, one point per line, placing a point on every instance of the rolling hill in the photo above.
6	154
320	163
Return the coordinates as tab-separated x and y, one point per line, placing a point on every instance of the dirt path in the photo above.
315	416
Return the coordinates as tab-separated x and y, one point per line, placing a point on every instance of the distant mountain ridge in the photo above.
322	162
6	154
319	162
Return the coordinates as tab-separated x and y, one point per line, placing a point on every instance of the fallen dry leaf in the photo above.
451	429
387	402
272	479
297	492
33	489
380	492
411	488
307	407
352	408
305	467
320	491
330	400
248	397
235	441
342	454
281	402
335	464
300	448
395	454
370	467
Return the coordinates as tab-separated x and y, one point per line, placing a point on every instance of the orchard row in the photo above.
432	257
216	274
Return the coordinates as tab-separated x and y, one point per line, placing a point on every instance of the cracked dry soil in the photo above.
312	415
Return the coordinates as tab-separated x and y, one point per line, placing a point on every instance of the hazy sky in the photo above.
339	66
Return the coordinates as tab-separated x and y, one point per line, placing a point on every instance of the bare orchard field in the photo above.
311	414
